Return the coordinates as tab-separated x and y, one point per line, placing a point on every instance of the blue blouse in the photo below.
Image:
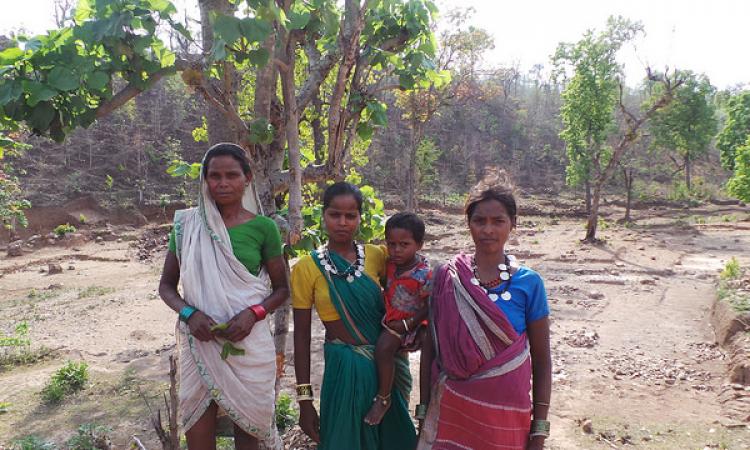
528	301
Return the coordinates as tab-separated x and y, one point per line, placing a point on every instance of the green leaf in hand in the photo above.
229	349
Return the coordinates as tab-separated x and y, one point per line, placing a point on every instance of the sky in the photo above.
706	36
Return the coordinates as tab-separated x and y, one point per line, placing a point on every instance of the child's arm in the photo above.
425	375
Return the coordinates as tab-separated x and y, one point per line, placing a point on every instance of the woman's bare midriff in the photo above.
336	329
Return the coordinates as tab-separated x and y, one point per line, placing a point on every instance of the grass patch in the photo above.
95	291
43	294
90	437
32	442
68	379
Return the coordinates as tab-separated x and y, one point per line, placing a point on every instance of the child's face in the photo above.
401	246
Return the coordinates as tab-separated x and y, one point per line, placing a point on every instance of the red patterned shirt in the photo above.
406	293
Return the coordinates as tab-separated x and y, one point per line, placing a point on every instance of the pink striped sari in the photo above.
482	371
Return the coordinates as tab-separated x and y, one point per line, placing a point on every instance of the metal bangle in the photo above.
406	325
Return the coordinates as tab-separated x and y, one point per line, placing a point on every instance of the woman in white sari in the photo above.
230	262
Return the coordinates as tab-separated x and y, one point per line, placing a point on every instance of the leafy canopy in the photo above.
591	94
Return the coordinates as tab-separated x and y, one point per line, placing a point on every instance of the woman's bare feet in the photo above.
380	405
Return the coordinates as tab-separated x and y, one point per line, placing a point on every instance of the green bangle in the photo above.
540	426
186	312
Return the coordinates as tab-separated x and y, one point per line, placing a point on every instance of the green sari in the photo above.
350	380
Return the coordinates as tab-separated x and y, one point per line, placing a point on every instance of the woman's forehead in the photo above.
490	208
343	202
224	162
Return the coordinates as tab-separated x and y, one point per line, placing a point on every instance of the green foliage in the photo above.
688	123
590	96
62	230
82	218
12	204
90	437
15	348
200	134
180	168
427	155
739	184
732	270
56	82
286	414
68	379
32	442
736	129
109	182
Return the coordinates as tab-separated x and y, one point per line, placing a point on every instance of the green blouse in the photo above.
253	242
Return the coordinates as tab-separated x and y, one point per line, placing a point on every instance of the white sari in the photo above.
215	282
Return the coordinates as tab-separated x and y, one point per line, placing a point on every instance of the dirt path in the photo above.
635	363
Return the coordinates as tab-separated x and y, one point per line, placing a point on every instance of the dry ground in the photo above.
635	363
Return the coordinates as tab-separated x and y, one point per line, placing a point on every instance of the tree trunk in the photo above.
587	186
629	175
593	220
688	169
411	174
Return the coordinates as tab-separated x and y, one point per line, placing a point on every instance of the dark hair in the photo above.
409	222
342	188
226	149
495	185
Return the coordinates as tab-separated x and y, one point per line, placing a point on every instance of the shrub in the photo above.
68	379
286	413
90	437
732	270
62	230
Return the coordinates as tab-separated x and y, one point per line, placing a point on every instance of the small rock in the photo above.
596	295
648	281
569	301
15	250
587	427
99	239
54	286
54	268
71	267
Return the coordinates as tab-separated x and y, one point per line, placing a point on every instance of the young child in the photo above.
407	288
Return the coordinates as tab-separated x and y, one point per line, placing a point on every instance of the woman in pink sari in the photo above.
489	339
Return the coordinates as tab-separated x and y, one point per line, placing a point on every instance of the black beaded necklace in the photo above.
505	277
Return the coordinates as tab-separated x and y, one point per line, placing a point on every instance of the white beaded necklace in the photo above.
355	269
505	275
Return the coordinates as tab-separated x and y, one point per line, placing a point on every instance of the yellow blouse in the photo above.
309	285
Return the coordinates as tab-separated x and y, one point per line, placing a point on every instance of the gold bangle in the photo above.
304	390
305	397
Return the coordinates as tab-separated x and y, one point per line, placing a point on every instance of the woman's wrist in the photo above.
259	311
186	312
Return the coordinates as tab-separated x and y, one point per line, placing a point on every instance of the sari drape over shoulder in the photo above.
215	282
350	379
480	395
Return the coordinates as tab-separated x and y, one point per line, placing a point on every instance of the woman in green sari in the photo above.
341	280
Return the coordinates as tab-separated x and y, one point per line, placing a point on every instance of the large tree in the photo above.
261	65
595	142
688	124
736	129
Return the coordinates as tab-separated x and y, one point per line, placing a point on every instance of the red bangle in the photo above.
259	311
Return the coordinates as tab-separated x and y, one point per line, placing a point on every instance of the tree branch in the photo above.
131	90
